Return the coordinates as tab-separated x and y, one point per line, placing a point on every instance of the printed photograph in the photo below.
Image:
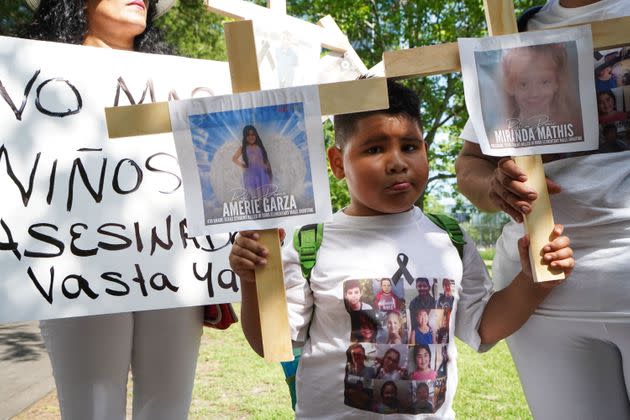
422	362
612	68
613	108
358	393
439	392
392	362
423	398
365	325
391	397
393	328
531	93
253	163
361	361
539	103
358	295
388	295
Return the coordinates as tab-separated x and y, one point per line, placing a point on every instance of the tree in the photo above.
374	27
13	14
194	31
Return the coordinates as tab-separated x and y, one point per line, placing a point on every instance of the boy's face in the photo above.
385	165
353	296
386	286
423	288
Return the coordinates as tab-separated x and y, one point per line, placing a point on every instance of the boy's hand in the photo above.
248	253
509	192
557	254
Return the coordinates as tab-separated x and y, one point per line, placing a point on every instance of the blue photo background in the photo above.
216	137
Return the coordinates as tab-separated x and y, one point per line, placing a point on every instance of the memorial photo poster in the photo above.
531	93
253	160
91	225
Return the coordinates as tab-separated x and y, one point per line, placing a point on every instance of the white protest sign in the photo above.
531	93
251	160
90	225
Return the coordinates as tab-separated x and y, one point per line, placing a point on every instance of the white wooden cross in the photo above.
444	58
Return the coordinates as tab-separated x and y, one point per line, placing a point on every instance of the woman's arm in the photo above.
494	184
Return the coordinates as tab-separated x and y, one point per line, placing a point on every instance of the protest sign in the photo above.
531	93
252	158
88	225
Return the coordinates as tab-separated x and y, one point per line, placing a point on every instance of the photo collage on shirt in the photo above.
612	86
398	352
612	83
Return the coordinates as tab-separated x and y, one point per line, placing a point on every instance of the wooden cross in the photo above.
245	10
335	98
444	58
332	37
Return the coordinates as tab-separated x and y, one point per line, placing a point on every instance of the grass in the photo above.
487	253
232	382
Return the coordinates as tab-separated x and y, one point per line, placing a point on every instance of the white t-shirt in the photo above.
594	207
359	252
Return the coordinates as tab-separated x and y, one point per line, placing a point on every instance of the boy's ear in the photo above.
335	158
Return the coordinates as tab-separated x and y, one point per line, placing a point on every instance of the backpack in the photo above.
307	241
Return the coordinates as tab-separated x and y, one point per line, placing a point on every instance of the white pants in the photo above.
574	370
91	357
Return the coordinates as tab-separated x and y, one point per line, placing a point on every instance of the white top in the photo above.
594	206
401	247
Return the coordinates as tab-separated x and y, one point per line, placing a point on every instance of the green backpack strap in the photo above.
451	227
307	241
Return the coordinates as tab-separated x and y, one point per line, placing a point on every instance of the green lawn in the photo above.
234	383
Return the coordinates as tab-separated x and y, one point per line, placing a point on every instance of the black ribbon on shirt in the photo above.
402	271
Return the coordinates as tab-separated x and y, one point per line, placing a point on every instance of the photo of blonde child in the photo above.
540	101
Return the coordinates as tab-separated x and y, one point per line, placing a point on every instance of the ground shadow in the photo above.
17	344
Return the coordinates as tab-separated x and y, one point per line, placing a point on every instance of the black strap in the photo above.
525	17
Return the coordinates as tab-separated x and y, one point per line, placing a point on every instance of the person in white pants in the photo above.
572	355
91	356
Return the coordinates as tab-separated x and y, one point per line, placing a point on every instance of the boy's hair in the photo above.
402	102
423	280
351	284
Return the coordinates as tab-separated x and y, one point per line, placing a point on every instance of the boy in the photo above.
383	157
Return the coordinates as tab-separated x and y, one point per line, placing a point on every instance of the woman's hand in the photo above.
509	191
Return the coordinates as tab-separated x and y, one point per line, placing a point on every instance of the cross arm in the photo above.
444	58
335	98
